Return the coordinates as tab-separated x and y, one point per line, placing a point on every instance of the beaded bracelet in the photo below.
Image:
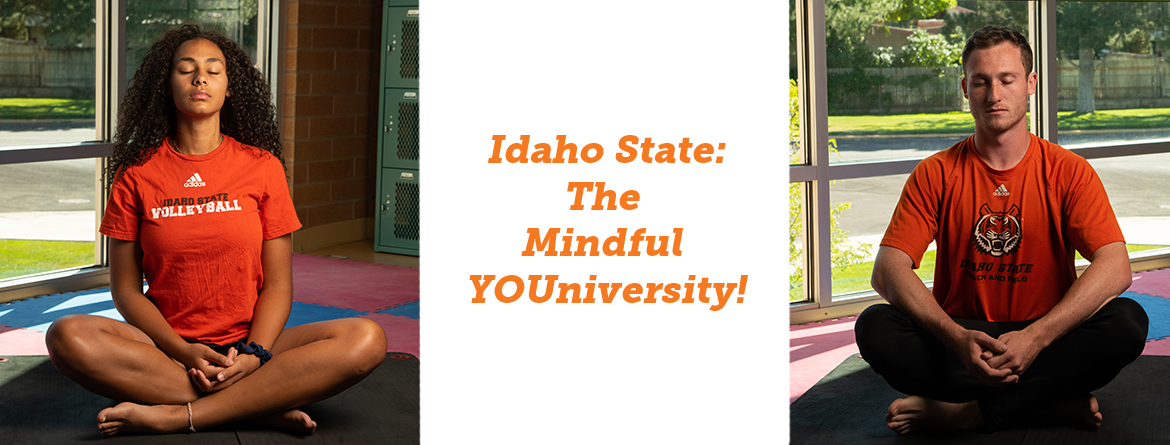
255	349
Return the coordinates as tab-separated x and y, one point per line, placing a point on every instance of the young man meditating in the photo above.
1009	335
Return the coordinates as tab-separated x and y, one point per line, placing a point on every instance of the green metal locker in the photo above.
418	183
406	212
411	129
412	47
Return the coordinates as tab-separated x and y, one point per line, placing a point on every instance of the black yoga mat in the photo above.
39	405
848	406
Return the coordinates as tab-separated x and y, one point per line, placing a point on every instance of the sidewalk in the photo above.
48	226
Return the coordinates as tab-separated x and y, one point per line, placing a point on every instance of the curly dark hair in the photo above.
147	114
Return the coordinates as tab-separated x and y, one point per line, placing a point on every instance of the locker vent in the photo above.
415	55
408	131
406	211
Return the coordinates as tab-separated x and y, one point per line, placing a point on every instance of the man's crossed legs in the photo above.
945	395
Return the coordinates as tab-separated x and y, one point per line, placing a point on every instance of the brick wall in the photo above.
330	111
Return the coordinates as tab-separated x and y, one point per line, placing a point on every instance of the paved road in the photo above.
14	133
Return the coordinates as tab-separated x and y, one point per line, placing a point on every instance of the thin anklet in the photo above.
190	423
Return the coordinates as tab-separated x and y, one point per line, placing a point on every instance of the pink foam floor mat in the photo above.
1154	283
364	286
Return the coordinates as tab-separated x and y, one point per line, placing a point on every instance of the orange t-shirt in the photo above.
1005	238
201	221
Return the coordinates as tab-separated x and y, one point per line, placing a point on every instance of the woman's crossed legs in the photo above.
310	363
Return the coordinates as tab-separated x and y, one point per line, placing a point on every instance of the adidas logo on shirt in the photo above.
196	181
1001	191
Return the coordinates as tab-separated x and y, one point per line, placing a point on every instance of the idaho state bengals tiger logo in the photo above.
998	233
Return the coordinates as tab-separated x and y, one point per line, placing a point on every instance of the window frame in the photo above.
815	175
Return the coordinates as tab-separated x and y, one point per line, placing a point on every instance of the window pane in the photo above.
1134	184
741	238
47	73
148	19
893	74
860	211
795	154
1114	81
47	216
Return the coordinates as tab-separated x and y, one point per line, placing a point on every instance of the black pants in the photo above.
1086	358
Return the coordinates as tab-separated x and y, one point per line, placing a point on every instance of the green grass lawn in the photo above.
855	277
44	108
960	122
24	257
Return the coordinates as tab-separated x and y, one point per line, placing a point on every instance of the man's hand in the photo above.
975	348
1022	349
237	367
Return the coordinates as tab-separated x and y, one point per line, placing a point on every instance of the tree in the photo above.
764	226
725	22
1085	29
930	50
960	25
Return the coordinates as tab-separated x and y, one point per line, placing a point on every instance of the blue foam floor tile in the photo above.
38	313
1158	309
305	313
442	308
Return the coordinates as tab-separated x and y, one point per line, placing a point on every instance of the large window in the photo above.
879	90
63	68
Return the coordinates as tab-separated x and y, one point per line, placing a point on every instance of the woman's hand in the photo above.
215	378
200	357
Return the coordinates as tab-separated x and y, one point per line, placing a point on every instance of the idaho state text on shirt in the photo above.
174	207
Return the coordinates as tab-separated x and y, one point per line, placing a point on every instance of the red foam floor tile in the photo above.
435	343
18	341
815	349
1157	347
1152	282
352	284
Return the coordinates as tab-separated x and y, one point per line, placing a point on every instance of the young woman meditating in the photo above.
200	206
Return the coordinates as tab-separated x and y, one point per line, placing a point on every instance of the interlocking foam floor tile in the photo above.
305	313
761	374
435	343
444	308
17	341
352	284
37	313
1157	347
1152	282
1158	309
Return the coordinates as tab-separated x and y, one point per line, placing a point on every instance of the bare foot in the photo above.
129	417
1082	411
293	420
915	413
